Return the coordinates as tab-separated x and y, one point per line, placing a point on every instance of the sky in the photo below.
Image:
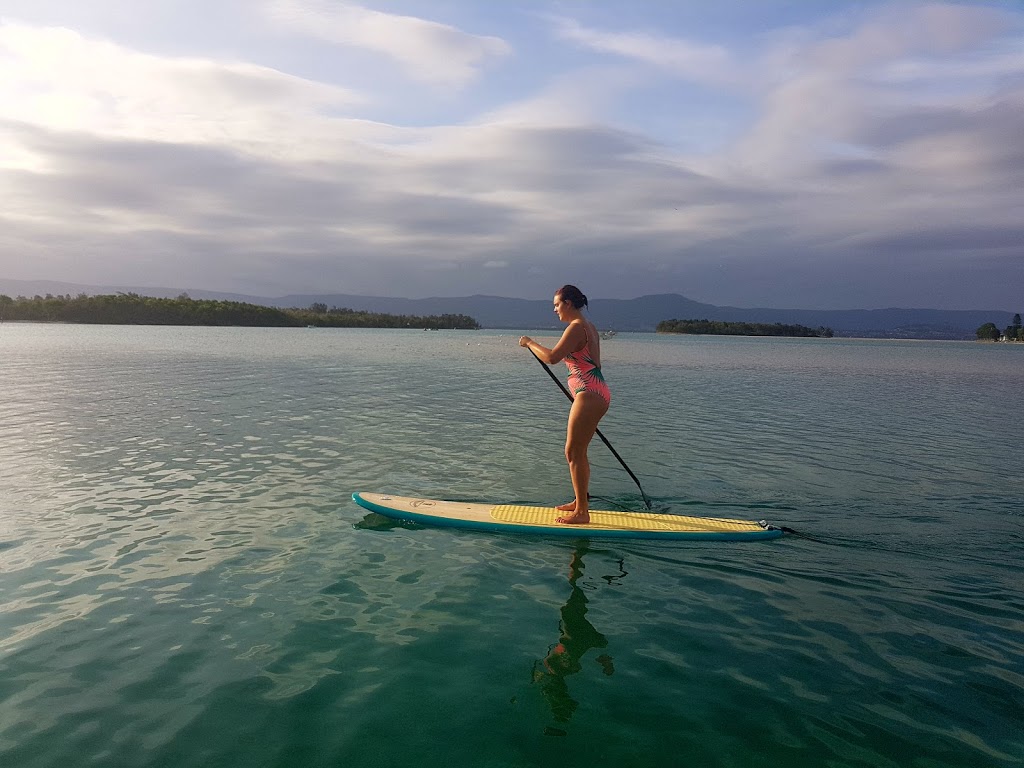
759	153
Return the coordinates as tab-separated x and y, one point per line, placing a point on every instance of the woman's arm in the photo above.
573	339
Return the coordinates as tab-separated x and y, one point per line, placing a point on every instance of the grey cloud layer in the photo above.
831	197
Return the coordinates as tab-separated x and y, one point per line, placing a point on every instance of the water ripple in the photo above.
184	581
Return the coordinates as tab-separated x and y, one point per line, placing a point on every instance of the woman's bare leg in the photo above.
587	410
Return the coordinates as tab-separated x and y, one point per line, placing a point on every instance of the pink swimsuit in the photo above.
585	375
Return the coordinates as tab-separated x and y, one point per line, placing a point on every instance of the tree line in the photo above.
133	309
991	332
724	328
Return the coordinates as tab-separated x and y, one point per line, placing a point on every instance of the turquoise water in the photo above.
185	582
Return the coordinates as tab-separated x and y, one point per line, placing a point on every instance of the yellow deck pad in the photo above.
624	521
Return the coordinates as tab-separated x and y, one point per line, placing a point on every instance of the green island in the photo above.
1013	332
723	328
133	309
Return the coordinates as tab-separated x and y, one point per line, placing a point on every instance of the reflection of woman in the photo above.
576	637
580	347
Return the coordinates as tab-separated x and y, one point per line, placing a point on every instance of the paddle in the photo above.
604	439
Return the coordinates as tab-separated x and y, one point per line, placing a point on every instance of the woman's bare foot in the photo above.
569	506
581	518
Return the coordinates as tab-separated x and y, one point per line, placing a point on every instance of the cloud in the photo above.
863	159
572	99
837	88
681	58
59	79
429	52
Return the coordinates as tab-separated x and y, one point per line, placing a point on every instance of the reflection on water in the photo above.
576	636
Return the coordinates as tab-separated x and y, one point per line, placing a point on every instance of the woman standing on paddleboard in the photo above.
580	347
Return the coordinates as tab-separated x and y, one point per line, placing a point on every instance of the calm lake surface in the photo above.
184	580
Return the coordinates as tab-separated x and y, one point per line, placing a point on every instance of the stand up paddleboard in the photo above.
515	518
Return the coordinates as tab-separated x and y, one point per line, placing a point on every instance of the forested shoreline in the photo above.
1014	331
133	309
723	328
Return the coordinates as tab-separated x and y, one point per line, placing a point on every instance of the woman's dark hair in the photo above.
573	294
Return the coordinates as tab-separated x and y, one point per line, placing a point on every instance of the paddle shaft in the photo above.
604	439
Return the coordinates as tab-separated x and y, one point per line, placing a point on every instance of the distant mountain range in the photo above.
640	314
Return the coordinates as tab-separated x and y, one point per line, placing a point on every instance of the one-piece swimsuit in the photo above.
584	374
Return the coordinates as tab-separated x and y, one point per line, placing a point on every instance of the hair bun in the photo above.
573	294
